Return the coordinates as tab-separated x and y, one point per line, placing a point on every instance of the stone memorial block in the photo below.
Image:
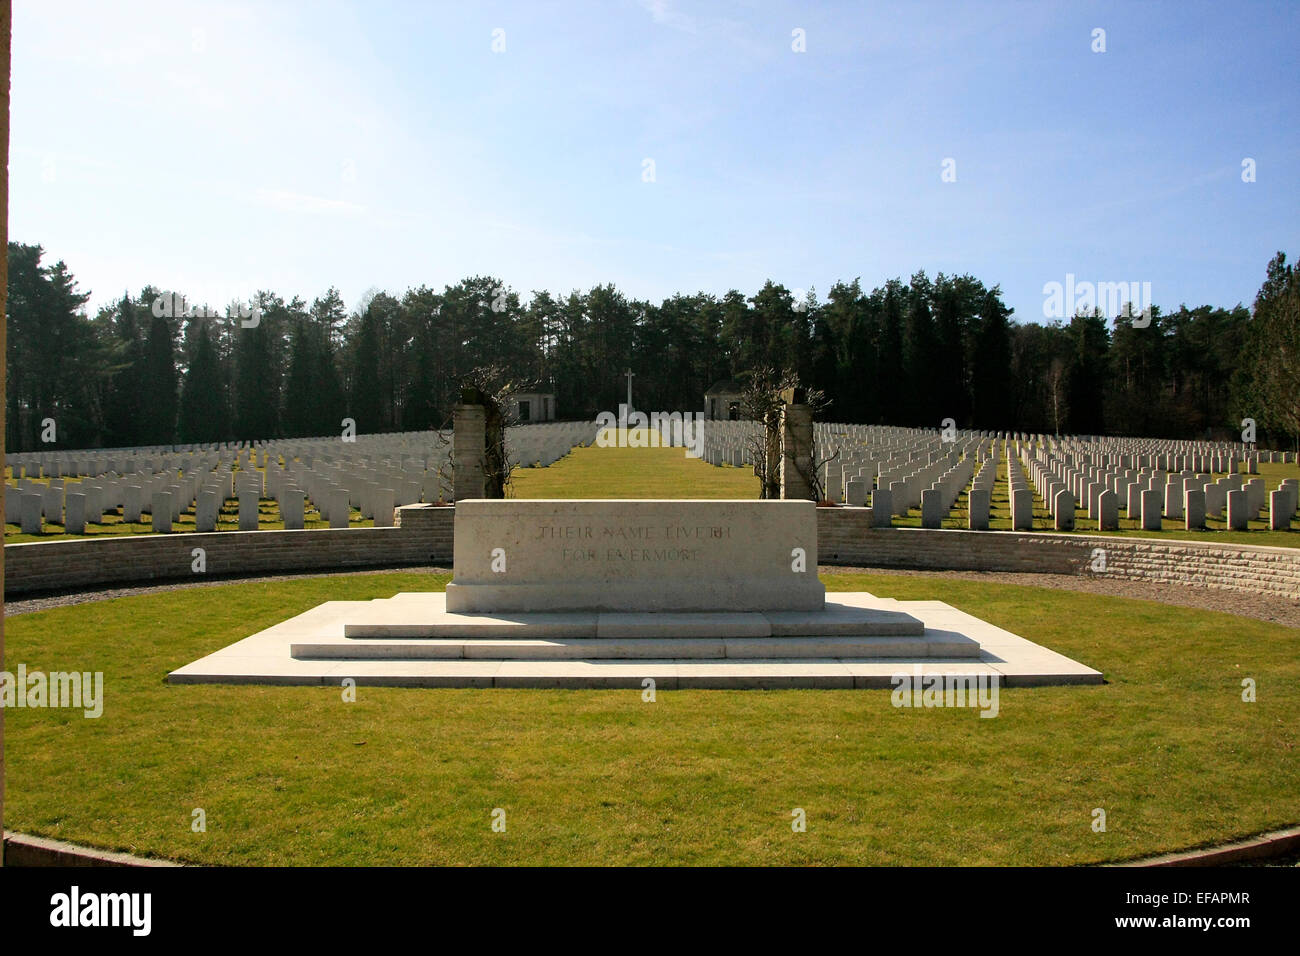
207	510
932	508
1151	504
898	495
248	510
1194	509
52	503
1095	490
340	508
882	508
640	556
1133	505
1063	510
1174	499
1256	496
32	507
161	503
321	500
1292	487
1238	512
1280	510
1022	509
292	510
94	502
856	493
978	509
383	507
1108	511
75	507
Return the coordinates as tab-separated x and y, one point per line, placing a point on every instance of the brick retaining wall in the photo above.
845	537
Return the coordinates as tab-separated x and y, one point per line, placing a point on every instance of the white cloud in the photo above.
297	202
661	11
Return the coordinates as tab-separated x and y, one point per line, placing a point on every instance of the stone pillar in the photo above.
796	447
469	437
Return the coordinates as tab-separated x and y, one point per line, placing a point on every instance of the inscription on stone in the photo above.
644	554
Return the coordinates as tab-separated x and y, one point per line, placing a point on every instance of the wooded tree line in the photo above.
905	353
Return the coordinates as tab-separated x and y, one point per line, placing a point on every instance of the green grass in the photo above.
594	472
406	776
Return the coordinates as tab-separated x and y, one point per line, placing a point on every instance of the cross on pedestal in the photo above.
629	375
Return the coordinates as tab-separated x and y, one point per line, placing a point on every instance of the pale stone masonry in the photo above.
608	593
796	450
623	555
845	536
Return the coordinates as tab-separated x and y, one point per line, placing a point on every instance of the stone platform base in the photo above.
412	640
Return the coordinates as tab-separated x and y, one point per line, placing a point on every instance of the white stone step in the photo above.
268	657
594	675
427	617
942	644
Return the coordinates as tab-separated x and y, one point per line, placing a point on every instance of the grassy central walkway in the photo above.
595	472
297	776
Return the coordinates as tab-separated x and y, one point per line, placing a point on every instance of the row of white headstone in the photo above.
374	475
905	469
1149	495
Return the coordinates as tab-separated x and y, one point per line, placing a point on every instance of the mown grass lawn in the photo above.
297	776
594	472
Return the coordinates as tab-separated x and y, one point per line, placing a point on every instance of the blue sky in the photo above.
221	148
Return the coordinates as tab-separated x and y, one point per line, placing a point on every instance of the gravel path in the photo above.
1276	610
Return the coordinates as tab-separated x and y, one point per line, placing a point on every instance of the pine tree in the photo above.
991	365
202	406
367	402
158	414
